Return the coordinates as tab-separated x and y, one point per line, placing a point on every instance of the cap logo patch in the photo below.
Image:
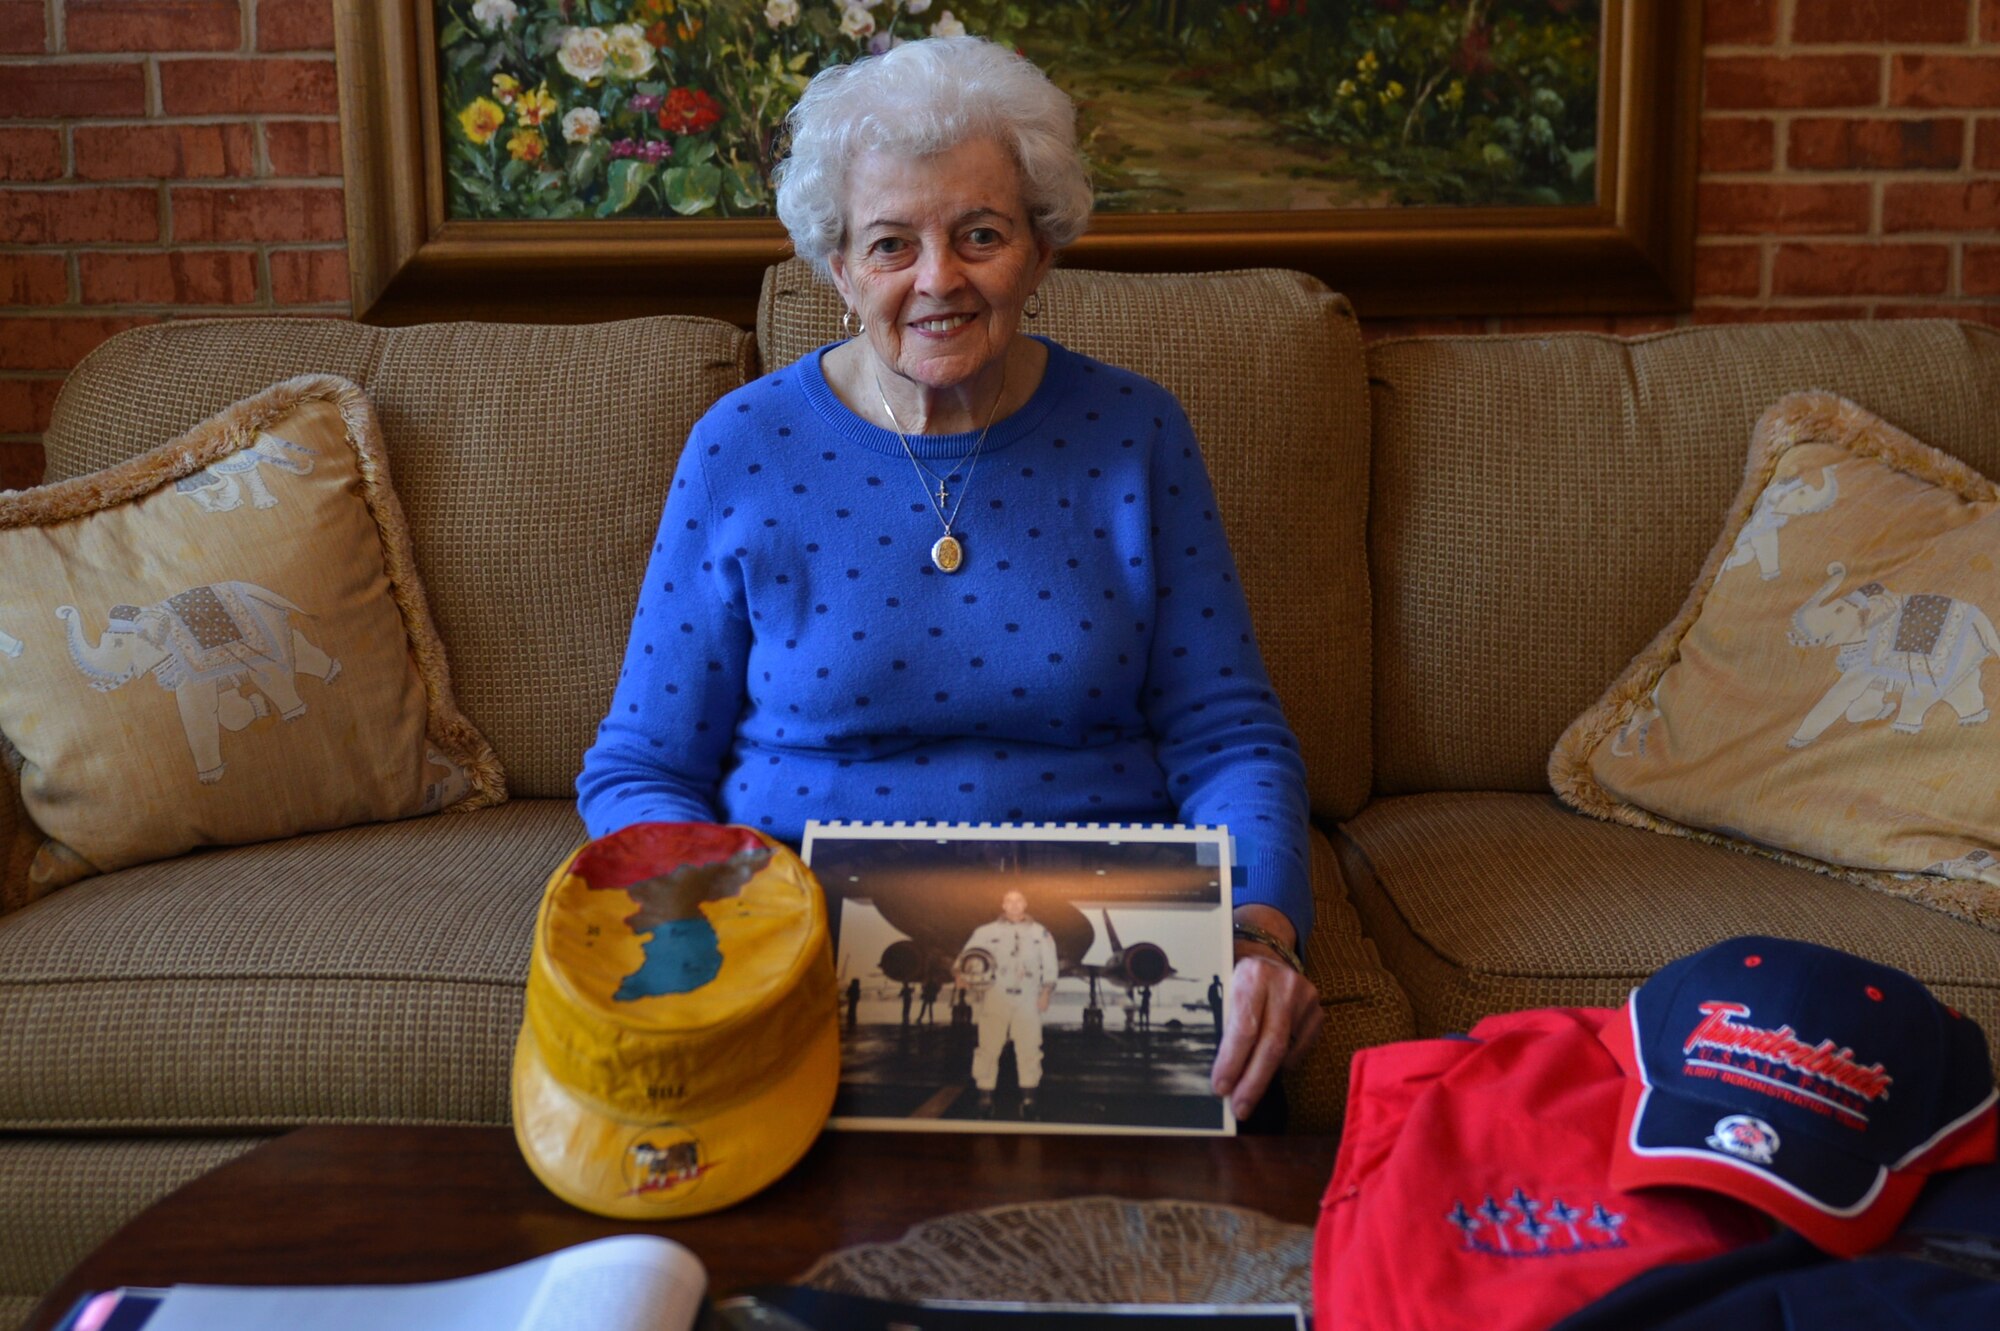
664	1161
1521	1226
1746	1138
1820	1077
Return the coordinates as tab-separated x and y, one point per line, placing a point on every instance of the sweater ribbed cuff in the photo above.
1272	877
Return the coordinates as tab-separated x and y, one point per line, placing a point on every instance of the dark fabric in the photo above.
1271	1116
1940	1273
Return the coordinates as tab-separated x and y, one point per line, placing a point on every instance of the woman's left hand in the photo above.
1274	1017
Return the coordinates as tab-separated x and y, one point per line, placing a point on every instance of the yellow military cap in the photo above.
680	1047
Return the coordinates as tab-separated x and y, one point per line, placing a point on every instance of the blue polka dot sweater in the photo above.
796	656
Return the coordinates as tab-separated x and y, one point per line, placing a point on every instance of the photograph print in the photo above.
1026	978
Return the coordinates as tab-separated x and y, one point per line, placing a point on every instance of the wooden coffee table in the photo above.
348	1205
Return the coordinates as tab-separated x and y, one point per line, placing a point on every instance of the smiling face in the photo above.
1014	906
939	259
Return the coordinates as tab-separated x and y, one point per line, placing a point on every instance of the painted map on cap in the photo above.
707	863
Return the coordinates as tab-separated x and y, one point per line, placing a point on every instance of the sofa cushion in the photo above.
1542	504
489	428
371	973
1494	902
1268	366
224	639
1852	584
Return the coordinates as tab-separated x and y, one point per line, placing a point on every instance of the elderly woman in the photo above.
945	571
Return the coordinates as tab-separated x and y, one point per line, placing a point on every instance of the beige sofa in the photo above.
1450	546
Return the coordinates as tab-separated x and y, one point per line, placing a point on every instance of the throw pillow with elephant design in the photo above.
225	640
1823	697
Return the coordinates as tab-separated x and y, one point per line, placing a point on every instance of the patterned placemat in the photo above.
1083	1250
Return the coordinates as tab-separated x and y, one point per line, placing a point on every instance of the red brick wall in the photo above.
1850	159
158	159
174	158
1849	166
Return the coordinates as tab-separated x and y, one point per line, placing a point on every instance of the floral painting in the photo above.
581	109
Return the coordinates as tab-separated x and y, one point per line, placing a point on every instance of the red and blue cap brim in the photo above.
1845	1201
1839	1186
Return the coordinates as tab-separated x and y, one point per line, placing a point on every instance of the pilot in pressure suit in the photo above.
1011	1003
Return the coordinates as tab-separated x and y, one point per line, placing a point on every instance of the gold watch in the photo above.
1258	934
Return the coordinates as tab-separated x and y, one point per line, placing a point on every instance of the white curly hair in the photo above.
920	98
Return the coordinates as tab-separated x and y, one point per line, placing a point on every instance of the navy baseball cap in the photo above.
1815	1085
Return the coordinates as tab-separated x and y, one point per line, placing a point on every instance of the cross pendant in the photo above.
941	494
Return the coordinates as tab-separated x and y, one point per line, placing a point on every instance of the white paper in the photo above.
632	1282
618	1283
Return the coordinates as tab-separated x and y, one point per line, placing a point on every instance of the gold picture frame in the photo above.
1630	251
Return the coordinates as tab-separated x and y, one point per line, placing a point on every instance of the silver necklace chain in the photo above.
951	472
937	505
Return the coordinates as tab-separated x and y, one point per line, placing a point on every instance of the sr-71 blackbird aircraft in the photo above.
937	892
937	932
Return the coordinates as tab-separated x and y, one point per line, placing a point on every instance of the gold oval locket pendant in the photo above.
947	554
